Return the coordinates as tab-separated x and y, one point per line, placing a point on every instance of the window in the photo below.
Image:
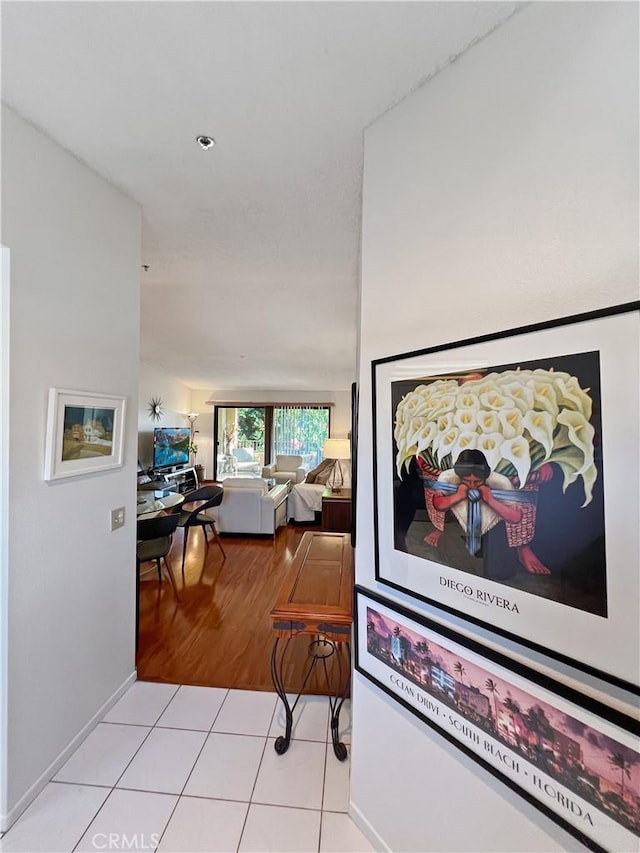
248	437
300	430
239	434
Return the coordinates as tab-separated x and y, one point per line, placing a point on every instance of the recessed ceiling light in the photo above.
205	142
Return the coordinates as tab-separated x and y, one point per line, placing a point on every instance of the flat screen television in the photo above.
170	446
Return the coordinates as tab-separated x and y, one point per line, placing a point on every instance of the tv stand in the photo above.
183	480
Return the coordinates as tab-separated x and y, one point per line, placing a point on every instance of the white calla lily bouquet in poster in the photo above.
519	419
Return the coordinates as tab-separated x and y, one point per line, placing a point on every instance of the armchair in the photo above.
250	506
285	468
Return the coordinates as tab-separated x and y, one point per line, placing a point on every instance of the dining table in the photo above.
150	504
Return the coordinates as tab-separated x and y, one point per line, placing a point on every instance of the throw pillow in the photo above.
323	476
312	476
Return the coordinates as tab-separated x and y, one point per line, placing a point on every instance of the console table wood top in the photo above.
317	594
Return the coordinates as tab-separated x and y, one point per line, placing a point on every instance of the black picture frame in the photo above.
552	745
583	608
354	459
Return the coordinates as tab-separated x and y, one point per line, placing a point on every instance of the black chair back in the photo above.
157	527
203	493
211	495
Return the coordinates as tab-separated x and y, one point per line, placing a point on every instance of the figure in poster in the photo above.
530	433
479	498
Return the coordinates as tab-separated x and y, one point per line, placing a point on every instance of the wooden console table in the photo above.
316	599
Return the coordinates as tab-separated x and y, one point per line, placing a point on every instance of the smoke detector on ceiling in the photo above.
205	142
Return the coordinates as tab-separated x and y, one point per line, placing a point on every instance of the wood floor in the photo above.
219	633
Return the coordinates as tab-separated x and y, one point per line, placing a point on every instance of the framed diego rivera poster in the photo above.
506	484
570	756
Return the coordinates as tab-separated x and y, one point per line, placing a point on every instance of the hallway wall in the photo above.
73	323
503	192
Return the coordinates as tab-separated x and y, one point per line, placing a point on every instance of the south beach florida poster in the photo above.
575	764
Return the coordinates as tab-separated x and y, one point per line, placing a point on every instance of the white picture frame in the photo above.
85	433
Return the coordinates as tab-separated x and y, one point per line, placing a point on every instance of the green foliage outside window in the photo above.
251	424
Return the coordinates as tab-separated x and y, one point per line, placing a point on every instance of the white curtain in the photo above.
300	430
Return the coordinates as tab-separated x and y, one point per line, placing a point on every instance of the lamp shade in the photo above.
337	448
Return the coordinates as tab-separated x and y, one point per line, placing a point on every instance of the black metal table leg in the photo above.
335	705
282	742
320	650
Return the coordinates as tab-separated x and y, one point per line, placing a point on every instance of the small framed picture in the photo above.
85	433
572	757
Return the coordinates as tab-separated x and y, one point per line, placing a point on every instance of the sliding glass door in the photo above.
240	441
248	437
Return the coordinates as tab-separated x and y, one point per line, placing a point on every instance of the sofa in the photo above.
305	499
285	468
250	506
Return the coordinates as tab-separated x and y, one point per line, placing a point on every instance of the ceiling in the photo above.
253	245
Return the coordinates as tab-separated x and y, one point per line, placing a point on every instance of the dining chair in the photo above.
154	543
198	517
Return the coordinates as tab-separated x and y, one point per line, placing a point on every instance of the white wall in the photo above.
503	192
74	244
176	398
4	517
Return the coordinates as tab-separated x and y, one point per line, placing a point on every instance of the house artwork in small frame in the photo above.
84	433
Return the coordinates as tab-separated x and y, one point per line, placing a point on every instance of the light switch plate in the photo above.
117	518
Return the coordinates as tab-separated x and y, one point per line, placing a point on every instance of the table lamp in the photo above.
336	449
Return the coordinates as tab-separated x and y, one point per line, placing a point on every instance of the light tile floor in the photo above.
187	769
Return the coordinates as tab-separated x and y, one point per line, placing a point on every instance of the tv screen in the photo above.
170	446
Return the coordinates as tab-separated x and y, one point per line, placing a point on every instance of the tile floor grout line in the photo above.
246	817
84	784
222	800
217	713
193	766
144	740
198	797
173	811
167	705
177	686
275	806
324	787
255	781
244	825
86	829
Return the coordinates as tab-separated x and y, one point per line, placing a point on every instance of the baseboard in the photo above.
367	830
7	820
